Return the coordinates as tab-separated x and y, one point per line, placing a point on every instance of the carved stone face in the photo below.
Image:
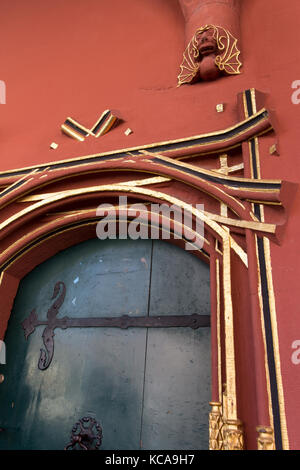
207	45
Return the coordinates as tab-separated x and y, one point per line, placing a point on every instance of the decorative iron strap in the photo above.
165	321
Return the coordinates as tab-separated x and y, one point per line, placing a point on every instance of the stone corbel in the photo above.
211	34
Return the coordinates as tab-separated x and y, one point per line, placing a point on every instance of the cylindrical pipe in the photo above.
198	13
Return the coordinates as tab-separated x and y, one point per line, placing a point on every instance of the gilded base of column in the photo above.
233	435
216	427
265	440
224	433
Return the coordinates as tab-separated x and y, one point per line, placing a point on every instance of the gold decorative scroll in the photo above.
227	60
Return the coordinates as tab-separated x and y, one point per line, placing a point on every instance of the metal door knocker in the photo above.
86	434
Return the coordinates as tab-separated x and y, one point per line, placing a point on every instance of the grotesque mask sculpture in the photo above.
212	52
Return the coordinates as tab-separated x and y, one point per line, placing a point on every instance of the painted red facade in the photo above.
80	58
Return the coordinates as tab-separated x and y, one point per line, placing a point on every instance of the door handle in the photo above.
86	433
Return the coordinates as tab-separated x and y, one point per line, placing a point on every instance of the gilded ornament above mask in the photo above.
211	53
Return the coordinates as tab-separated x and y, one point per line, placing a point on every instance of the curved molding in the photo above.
72	221
212	142
36	225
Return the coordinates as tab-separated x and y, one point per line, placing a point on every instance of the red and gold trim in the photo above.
77	131
48	208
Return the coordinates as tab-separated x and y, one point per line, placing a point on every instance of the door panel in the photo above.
177	390
179	282
177	376
146	387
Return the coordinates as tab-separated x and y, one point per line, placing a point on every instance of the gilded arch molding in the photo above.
30	242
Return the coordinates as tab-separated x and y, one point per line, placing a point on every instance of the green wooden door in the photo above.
149	388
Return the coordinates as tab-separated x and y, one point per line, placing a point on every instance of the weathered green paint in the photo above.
147	388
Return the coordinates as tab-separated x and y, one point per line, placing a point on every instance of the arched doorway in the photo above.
149	388
51	207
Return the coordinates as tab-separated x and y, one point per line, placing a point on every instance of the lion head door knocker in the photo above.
211	53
